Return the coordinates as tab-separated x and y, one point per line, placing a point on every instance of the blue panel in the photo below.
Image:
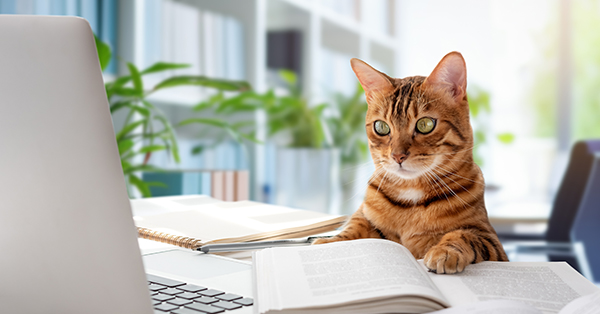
42	7
89	11
173	181
7	7
108	31
58	7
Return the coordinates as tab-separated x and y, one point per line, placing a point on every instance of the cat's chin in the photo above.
407	174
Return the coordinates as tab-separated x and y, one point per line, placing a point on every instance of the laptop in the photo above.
67	238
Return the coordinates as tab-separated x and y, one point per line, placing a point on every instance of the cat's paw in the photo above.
326	240
443	259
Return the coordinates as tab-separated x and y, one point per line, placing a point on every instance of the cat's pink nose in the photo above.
399	157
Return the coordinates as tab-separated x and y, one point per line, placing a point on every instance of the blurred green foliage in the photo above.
479	106
146	129
586	76
347	126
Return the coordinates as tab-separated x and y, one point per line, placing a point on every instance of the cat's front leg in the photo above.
459	248
357	227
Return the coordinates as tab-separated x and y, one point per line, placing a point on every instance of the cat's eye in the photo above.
382	128
425	125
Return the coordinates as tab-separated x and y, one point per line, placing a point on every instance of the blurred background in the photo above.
255	99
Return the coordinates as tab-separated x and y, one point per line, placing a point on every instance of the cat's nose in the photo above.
400	157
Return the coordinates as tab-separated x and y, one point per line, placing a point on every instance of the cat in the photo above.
426	192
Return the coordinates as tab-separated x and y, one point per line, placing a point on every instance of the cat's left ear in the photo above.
450	75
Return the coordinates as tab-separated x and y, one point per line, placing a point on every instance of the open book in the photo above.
381	276
193	221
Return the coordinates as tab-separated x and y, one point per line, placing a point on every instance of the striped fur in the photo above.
432	202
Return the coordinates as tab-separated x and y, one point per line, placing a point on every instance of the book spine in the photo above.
229	184
217	186
242	185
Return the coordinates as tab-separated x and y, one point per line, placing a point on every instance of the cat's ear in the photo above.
450	75
373	82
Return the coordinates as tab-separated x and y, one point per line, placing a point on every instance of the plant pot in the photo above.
308	178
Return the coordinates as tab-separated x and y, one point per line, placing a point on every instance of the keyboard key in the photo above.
183	310
162	297
164	281
226	305
155	287
191	288
179	302
204	308
171	291
228	297
154	302
211	292
244	301
206	300
188	295
165	307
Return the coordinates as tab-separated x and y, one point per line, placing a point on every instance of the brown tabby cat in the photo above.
426	192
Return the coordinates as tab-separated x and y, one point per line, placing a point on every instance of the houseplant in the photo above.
145	129
347	127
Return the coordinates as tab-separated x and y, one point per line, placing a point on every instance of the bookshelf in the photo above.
228	39
332	32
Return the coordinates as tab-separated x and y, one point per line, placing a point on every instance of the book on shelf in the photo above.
381	276
193	221
226	185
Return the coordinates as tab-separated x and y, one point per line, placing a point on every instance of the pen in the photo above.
228	247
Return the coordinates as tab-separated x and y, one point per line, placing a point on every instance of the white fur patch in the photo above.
411	195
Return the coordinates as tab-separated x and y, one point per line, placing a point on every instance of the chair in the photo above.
586	227
556	241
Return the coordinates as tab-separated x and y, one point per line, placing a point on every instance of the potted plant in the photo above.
347	127
144	129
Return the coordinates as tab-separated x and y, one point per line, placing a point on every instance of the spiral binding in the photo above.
184	242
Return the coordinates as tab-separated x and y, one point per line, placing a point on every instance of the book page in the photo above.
491	307
209	221
338	273
545	286
588	304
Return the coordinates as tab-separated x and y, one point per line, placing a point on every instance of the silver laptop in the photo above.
67	239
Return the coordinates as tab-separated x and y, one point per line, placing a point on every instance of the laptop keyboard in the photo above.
172	296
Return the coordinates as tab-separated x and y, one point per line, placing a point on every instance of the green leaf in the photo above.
209	121
157	183
289	77
197	150
104	53
126	92
136	77
171	136
128	128
152	148
187	80
163	66
125	146
506	138
140	185
147	168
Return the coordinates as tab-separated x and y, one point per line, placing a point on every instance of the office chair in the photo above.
586	227
557	242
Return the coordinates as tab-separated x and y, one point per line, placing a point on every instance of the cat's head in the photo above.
417	124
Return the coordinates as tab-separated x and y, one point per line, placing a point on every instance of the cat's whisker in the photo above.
383	179
454	174
428	171
466	190
465	204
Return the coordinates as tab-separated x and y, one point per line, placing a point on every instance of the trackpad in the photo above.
193	265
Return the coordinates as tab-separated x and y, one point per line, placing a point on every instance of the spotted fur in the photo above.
431	201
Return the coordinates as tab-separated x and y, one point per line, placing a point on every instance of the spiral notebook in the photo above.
193	221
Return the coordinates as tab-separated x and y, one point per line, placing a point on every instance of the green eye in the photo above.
425	125
382	128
